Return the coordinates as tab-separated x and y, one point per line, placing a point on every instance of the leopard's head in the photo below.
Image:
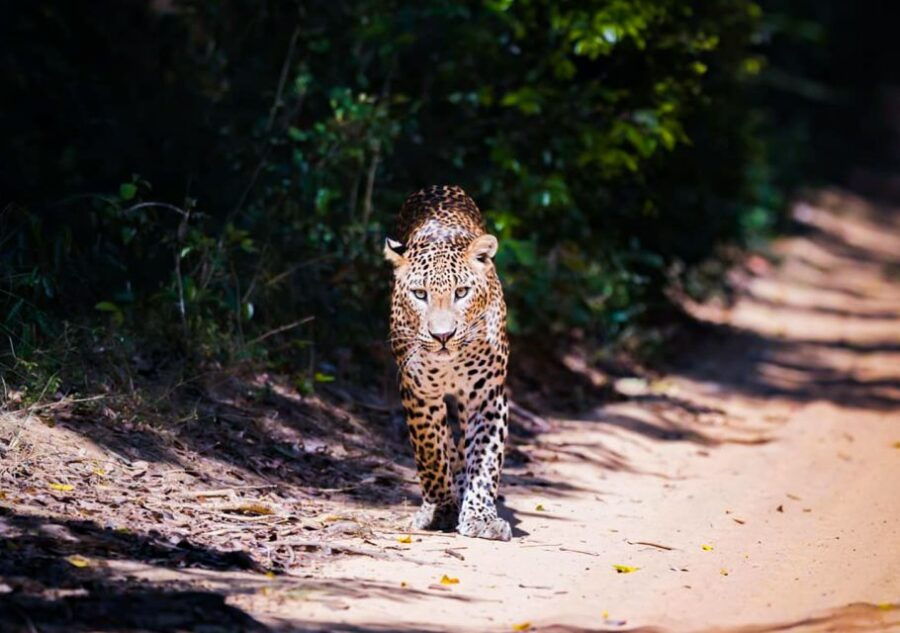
442	292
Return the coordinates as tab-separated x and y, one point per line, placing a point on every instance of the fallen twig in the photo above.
225	530
339	547
650	544
280	329
416	533
292	557
61	403
454	554
221	492
275	518
578	551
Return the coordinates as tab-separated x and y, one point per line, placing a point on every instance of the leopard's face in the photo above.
442	296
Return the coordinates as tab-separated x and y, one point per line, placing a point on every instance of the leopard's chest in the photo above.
468	378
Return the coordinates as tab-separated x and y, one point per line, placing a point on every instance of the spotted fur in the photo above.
448	335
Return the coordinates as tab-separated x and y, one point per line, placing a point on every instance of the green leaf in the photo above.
127	190
107	306
114	311
526	99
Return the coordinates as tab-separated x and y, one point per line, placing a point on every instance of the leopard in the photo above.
449	340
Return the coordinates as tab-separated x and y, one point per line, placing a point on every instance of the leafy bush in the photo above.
212	173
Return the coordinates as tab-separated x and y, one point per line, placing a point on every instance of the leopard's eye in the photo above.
420	294
461	292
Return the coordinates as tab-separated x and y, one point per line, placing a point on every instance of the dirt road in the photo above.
753	487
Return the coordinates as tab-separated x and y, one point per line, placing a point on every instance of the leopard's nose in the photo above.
442	337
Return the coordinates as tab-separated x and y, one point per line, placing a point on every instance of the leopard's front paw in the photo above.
434	517
493	528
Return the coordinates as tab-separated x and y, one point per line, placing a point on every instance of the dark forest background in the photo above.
212	181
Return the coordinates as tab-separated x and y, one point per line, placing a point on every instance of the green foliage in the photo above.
607	142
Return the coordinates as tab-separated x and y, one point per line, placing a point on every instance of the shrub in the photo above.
209	172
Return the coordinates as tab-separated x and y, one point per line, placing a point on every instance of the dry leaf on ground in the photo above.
78	561
255	508
625	569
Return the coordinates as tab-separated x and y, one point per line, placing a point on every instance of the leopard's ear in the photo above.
482	249
393	252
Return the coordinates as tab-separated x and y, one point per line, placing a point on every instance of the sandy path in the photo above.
768	464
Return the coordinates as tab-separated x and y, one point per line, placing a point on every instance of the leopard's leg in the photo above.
485	438
456	412
458	467
434	453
